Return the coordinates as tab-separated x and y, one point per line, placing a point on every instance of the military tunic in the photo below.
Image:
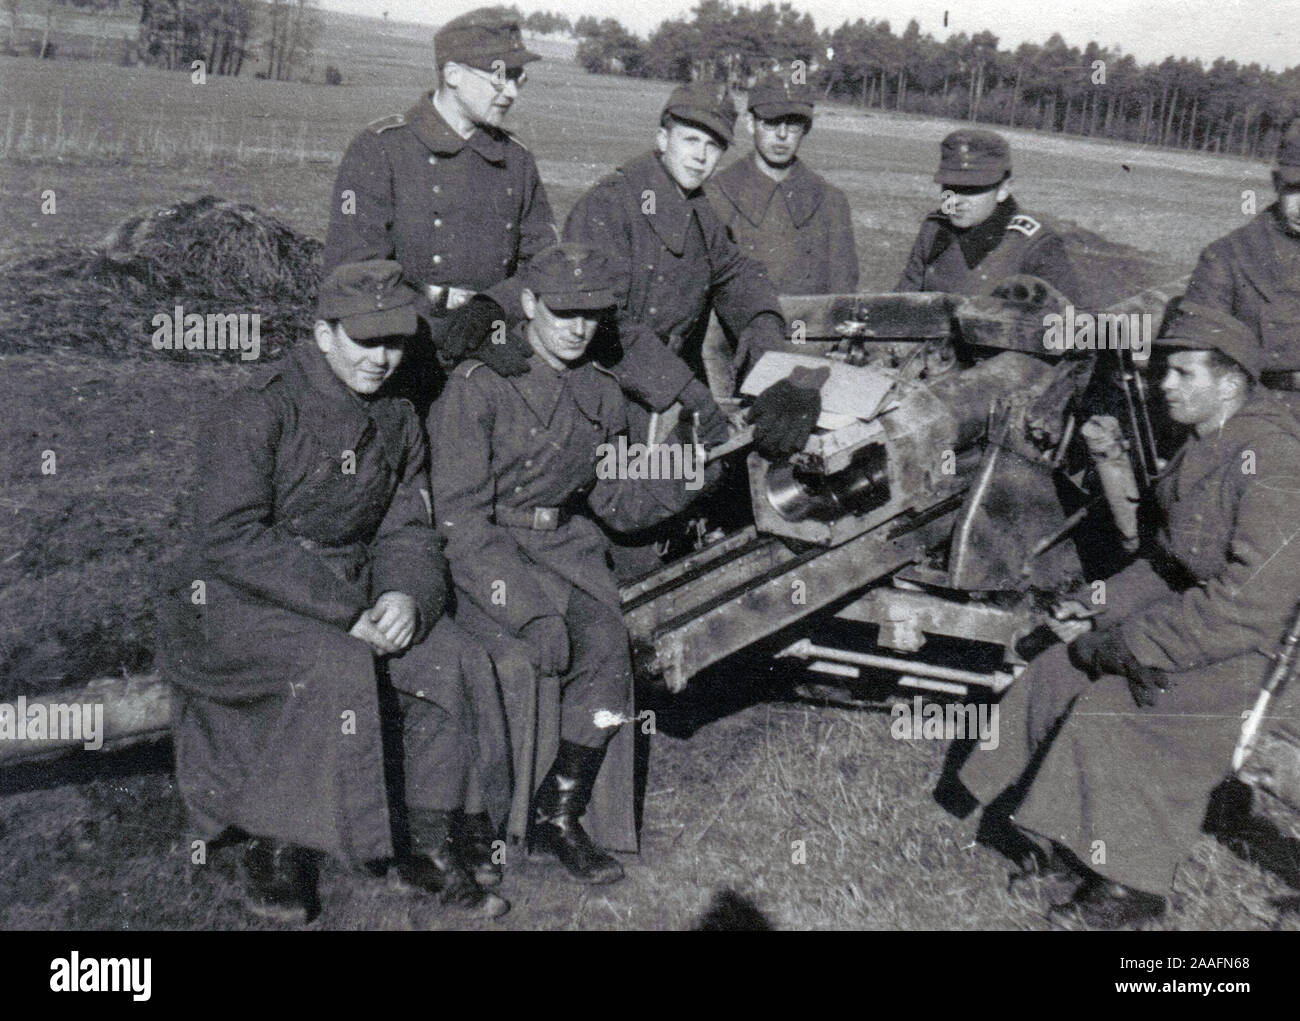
312	502
1029	244
799	228
466	213
681	261
1210	612
1254	274
509	448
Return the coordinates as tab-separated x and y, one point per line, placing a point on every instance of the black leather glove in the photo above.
783	417
713	423
1106	652
469	326
548	645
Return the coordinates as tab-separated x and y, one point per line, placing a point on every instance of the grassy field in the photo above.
739	771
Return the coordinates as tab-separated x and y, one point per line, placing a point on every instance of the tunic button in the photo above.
510	226
653	310
519	489
437	189
532	431
528	464
510	191
505	262
437	222
437	259
433	159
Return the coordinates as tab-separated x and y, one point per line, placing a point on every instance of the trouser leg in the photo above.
600	671
1028	715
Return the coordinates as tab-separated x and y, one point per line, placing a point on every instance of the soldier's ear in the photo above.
451	74
528	301
1004	189
324	336
749	122
661	140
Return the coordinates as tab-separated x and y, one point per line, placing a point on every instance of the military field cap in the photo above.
574	276
370	298
482	37
776	96
1288	154
707	104
969	157
1198	327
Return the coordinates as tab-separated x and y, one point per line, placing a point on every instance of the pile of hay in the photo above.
208	256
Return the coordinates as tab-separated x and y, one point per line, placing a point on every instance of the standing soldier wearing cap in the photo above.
1254	273
781	213
448	194
518	489
979	236
654	218
315	569
1149	703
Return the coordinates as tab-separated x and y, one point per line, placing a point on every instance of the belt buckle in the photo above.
546	519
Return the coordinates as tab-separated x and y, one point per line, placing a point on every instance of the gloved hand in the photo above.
783	417
469	326
1106	652
548	645
713	423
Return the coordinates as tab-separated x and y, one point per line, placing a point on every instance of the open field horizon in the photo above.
738	770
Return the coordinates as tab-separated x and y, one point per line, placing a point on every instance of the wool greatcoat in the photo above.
680	261
311	502
799	228
506	448
1126	787
1254	274
466	213
1017	243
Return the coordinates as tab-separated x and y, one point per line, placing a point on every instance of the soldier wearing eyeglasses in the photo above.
446	192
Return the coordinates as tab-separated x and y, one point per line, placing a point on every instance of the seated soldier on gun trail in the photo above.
1135	721
522	467
314	559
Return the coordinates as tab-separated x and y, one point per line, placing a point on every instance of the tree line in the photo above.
1091	90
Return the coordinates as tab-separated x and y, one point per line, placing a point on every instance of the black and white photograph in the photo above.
713	465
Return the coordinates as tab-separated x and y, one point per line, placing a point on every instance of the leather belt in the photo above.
444	298
541	519
1280	380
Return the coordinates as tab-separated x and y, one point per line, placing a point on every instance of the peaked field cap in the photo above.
575	276
707	104
371	299
480	38
776	96
1288	154
973	157
1198	327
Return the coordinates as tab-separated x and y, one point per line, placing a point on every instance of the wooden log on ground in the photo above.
110	711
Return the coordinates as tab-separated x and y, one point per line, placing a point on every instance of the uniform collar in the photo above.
438	136
344	414
673	210
542	387
750	190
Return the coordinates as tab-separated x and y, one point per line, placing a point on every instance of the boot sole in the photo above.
299	915
540	854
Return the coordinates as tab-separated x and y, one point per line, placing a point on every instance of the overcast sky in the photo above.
1265	31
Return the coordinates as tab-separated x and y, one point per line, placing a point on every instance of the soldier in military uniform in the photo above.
1254	273
653	216
443	190
979	236
789	218
518	489
1149	703
316	570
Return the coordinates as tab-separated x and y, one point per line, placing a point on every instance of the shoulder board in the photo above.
515	138
468	366
265	382
602	370
1027	225
395	120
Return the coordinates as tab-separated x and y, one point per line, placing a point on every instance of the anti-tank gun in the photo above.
935	498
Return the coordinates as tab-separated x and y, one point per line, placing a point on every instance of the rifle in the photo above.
1283	667
1141	436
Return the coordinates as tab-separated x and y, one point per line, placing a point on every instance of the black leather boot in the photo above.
557	808
433	866
1103	904
473	836
280	881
